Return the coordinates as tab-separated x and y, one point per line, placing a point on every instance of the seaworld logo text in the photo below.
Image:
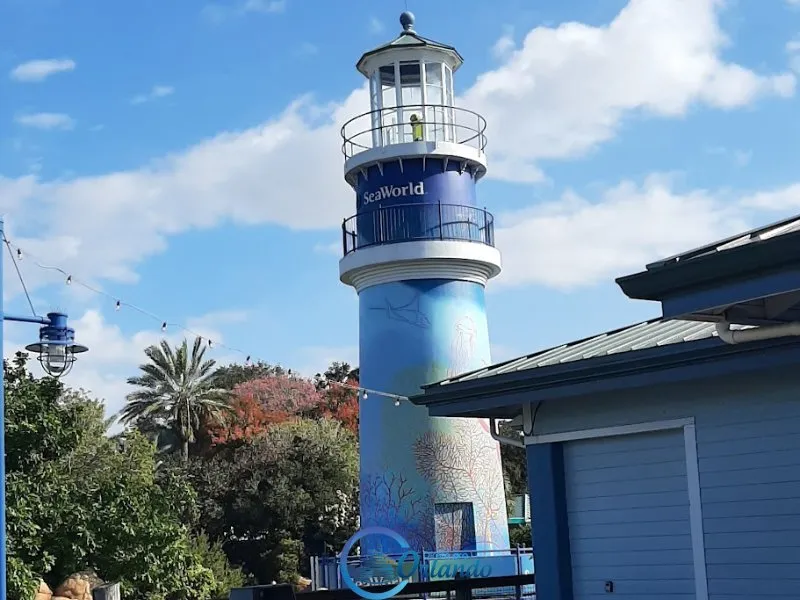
379	569
394	191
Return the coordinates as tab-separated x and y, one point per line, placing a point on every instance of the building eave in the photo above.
703	272
496	396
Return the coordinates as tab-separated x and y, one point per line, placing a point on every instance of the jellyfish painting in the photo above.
463	346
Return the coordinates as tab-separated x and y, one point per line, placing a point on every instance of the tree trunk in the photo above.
185	450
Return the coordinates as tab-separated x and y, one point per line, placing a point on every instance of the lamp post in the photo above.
56	351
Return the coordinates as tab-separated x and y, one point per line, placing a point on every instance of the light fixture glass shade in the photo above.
54	359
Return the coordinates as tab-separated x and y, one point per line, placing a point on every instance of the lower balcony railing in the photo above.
413	222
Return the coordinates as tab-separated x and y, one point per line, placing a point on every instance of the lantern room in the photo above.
412	97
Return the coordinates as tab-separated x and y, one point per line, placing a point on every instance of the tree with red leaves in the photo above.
260	403
339	402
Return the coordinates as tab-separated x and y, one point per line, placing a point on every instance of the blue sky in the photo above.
184	156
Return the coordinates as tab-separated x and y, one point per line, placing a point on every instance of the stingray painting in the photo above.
409	313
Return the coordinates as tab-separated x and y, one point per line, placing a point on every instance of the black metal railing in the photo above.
411	222
394	125
509	587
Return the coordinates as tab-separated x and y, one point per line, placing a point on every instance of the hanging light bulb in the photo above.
364	395
69	279
210	344
164	326
118	305
247	360
397	401
19	253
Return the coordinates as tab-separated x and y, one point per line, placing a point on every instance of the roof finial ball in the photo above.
407	20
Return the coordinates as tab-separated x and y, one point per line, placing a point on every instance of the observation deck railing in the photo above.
413	222
393	125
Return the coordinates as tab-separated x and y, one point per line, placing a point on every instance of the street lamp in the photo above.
56	349
56	346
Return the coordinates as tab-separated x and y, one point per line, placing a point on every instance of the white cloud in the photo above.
39	70
504	45
573	242
158	91
563	92
566	90
793	51
315	359
46	120
501	352
375	26
219	12
308	49
227	178
114	356
334	248
264	6
779	199
740	158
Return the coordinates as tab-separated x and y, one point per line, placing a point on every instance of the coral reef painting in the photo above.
416	468
462	464
391	502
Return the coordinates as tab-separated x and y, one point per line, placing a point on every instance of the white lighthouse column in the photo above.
419	251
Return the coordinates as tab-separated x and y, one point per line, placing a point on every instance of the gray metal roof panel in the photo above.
640	336
783	227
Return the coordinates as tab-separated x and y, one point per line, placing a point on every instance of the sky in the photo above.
184	158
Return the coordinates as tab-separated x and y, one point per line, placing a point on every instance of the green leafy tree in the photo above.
515	465
294	486
78	500
229	376
178	391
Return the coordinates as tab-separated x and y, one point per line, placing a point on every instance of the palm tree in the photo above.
177	391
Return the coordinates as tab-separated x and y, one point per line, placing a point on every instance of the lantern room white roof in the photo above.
409	40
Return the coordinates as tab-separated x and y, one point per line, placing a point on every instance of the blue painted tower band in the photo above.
436	480
414	181
418	199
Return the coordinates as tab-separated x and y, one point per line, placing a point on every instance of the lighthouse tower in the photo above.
419	252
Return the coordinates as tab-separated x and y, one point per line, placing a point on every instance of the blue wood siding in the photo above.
629	493
748	446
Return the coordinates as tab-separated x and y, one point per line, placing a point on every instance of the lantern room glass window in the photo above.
412	101
388	95
375	105
449	101
435	100
411	97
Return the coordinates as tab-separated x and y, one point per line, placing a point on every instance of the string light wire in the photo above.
119	304
19	273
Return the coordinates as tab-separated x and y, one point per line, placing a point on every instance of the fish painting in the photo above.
409	313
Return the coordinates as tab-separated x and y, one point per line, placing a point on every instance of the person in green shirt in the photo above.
416	128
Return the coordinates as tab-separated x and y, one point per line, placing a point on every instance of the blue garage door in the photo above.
628	508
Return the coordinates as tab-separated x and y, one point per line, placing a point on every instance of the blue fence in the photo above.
325	572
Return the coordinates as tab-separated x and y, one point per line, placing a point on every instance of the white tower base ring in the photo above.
426	259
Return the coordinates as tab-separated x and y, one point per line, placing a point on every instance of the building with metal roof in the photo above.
664	457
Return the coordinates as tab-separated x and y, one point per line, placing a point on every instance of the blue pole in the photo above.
3	559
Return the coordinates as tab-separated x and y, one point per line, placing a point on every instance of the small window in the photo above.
454	527
409	73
